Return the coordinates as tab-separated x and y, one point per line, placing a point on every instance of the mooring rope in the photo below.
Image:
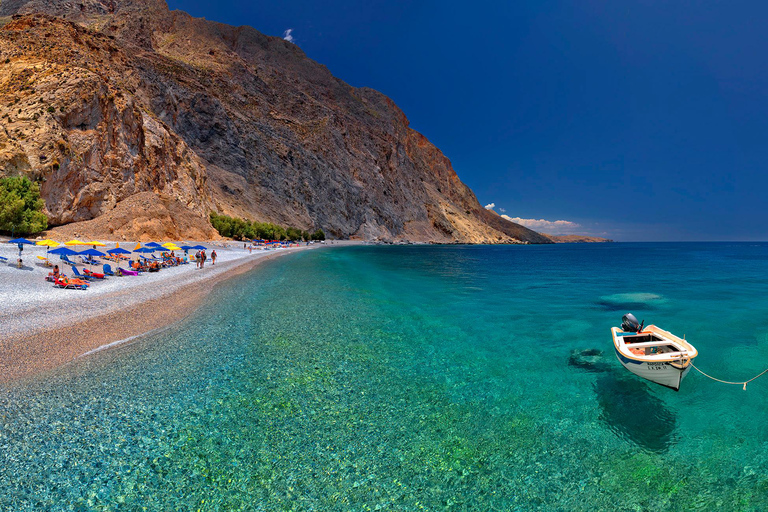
729	382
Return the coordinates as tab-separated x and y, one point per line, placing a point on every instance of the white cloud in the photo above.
557	227
490	206
502	210
287	35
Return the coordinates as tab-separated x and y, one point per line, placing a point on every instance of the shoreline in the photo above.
31	350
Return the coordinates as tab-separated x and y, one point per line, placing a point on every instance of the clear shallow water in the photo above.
406	378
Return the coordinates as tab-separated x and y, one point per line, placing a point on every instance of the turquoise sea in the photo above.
415	378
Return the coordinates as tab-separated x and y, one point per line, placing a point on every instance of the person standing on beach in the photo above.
213	257
202	259
197	259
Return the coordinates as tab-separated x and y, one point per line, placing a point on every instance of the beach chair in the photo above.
107	269
78	274
71	284
94	275
67	260
44	260
3	258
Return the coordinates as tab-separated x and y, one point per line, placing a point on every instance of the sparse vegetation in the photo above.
21	207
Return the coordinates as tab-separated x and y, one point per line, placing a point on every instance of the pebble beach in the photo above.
44	327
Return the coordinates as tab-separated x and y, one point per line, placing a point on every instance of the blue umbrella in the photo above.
20	242
91	252
145	249
199	247
155	245
63	251
118	250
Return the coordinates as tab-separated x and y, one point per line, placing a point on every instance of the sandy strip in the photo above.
39	340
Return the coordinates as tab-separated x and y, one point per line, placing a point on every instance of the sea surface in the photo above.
415	378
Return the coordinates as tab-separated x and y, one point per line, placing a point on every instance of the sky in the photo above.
637	120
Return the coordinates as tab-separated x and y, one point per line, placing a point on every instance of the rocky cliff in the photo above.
140	120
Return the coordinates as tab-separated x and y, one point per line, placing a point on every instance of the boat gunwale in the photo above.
680	357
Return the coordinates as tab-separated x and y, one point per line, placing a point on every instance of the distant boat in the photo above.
652	353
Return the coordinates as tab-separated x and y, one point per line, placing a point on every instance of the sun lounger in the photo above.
45	260
95	275
127	272
67	260
78	274
71	284
107	269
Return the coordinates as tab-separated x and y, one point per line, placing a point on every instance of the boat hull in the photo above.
662	372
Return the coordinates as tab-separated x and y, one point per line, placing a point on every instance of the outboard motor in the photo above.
630	324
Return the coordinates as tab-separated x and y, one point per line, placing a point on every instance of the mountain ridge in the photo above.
105	100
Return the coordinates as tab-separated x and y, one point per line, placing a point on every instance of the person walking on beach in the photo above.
213	257
198	259
202	259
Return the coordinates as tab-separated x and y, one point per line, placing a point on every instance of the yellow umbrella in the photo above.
48	244
76	242
171	246
96	243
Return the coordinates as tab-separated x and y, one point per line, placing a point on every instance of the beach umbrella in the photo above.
144	250
63	251
172	247
91	252
96	243
154	245
21	243
199	247
74	242
116	252
48	244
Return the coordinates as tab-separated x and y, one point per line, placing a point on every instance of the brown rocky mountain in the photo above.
137	120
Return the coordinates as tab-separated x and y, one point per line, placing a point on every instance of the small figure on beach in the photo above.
56	271
213	257
198	259
202	259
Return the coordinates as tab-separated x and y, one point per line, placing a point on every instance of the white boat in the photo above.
652	353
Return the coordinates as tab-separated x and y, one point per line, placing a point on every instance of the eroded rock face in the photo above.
102	100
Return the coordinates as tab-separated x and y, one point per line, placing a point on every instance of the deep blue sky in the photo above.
638	120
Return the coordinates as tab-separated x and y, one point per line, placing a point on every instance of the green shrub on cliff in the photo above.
242	229
21	208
